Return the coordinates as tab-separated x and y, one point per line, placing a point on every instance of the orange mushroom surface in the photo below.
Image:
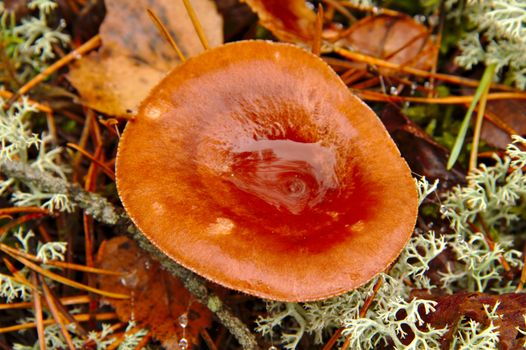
253	165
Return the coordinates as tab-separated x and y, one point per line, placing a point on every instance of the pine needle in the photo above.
481	89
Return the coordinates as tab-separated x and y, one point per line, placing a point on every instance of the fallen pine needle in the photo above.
56	315
79	318
85	153
418	72
72	300
63	280
39	319
89	45
61	264
380	97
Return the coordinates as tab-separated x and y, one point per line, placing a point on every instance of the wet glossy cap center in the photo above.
286	174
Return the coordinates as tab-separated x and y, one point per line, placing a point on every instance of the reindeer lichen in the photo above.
493	193
498	35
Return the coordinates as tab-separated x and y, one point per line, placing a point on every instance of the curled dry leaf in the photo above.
134	56
158	298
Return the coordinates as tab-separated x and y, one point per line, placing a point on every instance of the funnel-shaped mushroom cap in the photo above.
254	166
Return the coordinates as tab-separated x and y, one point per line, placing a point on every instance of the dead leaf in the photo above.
423	154
397	39
159	298
512	113
451	308
290	20
134	56
239	20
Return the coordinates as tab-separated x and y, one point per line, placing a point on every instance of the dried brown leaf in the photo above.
423	154
134	56
396	39
158	298
512	113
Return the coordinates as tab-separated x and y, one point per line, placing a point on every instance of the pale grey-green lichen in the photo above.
501	26
495	194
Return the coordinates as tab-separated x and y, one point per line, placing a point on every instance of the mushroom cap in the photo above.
254	166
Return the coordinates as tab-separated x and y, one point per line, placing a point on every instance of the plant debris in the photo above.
71	71
159	301
134	56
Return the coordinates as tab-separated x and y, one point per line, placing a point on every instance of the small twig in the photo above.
64	311
408	43
498	122
102	210
90	185
367	84
44	235
17	275
367	303
363	311
336	5
96	206
353	76
83	142
52	127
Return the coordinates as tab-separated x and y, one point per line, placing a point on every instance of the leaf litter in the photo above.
134	56
158	298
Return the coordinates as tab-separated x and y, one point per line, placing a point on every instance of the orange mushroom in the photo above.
253	165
